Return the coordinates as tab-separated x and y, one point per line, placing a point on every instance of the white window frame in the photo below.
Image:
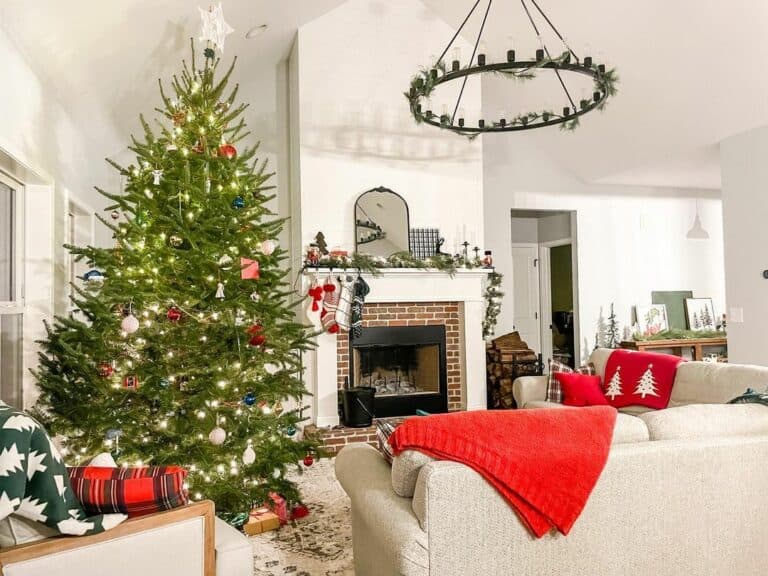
76	209
16	305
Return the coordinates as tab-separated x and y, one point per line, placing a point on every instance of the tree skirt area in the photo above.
318	545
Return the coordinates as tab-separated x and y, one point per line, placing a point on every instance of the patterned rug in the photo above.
318	545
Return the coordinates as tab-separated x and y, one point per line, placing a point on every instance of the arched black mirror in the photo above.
381	223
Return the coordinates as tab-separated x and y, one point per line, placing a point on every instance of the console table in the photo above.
696	345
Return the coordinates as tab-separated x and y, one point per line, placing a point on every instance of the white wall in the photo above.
356	131
41	146
630	240
745	209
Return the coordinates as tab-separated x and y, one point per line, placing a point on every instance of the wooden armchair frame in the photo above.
49	546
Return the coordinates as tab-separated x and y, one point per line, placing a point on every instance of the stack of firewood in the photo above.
507	358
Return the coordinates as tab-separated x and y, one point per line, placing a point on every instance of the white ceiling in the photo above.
103	58
687	78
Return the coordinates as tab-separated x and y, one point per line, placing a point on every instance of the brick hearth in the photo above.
413	314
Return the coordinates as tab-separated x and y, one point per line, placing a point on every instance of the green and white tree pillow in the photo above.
34	482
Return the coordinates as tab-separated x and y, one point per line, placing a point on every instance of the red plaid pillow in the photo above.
131	491
554	388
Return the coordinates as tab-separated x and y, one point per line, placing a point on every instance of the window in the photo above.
80	232
11	291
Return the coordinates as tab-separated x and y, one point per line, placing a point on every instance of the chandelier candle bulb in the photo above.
566	111
588	61
510	55
601	68
461	117
481	123
456	66
482	49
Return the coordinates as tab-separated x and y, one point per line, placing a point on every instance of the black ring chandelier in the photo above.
424	83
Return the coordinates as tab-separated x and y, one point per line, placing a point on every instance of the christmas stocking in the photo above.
312	307
360	291
345	304
330	303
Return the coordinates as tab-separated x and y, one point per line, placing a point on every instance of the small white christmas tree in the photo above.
646	386
614	386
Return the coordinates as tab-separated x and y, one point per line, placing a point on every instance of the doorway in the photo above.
545	283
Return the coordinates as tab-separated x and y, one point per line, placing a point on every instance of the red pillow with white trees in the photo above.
640	378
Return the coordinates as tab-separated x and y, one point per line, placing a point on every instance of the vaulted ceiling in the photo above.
690	70
103	59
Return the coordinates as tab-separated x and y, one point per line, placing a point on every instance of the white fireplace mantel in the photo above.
408	285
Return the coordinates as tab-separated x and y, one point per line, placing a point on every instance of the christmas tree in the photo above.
188	344
646	386
614	386
612	334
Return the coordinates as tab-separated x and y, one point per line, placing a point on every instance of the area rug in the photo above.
318	545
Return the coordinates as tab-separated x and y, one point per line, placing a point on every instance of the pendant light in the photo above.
697	231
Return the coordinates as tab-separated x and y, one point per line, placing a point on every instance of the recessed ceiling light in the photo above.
256	30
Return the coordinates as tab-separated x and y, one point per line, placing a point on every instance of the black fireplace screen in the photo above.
405	364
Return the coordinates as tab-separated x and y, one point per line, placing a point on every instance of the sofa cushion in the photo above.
706	421
384	429
554	389
16	530
598	359
234	551
581	389
715	383
629	429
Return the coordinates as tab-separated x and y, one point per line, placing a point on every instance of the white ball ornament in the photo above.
130	324
249	456
268	247
217	436
226	262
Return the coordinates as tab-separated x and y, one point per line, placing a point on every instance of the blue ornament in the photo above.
290	431
93	275
238	203
249	399
113	433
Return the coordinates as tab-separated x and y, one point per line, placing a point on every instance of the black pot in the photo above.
358	404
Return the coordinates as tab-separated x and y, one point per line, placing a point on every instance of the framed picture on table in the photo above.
652	319
700	314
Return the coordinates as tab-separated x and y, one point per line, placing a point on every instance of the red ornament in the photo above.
255	329
309	460
106	370
228	151
299	511
257	340
174	314
131	382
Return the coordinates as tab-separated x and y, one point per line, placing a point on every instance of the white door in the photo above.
525	294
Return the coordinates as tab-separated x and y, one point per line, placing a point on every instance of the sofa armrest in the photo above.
28	553
529	389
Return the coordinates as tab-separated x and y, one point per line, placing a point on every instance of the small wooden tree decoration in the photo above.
612	335
321	243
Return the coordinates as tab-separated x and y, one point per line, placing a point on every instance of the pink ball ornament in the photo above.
130	324
217	436
268	247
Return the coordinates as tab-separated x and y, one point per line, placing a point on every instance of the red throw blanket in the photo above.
545	463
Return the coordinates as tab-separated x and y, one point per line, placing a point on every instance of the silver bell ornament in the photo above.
249	456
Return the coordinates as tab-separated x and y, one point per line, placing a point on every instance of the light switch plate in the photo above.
736	315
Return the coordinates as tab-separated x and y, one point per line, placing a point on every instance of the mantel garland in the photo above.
363	263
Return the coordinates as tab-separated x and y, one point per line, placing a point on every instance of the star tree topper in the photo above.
214	28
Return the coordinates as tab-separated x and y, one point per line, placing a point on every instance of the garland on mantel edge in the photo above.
374	264
443	262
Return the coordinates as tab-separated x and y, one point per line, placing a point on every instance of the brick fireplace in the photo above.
405	298
411	314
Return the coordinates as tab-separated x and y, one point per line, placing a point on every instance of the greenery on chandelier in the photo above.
425	82
188	346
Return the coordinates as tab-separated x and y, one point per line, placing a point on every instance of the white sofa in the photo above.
188	541
683	492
